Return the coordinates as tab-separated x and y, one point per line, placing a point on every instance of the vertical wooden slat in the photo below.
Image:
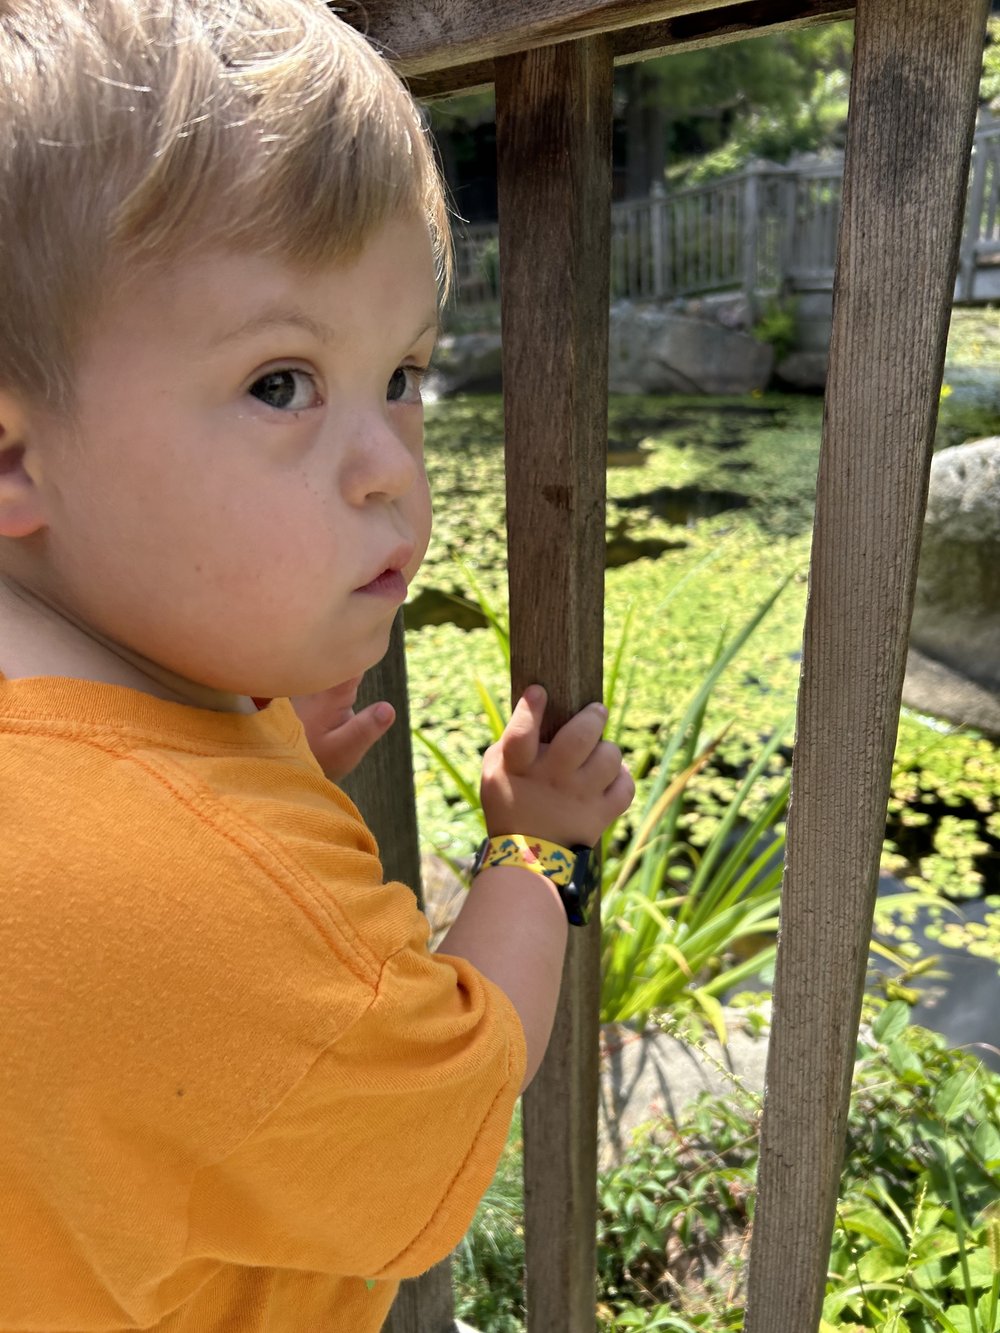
382	789
913	102
554	180
382	784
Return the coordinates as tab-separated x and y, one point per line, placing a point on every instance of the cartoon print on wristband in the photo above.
544	858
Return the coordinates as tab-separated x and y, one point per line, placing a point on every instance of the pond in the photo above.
709	508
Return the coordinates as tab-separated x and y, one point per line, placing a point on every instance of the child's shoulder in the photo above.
217	828
209	918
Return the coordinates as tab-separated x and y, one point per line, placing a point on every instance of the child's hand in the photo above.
337	736
567	791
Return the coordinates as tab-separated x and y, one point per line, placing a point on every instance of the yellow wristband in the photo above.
513	849
568	868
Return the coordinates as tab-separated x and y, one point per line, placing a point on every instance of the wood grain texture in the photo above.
424	35
724	23
424	1304
382	789
913	103
642	41
382	784
554	186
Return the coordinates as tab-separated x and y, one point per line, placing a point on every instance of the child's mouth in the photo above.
390	583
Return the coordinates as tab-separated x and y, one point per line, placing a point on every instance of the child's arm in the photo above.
513	926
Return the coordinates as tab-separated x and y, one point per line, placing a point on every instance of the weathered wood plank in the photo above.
723	23
434	68
913	102
554	187
382	784
426	35
424	1304
382	789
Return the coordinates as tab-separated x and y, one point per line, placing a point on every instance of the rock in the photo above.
932	687
805	371
650	1076
658	351
732	312
444	893
955	632
465	363
652	350
974	386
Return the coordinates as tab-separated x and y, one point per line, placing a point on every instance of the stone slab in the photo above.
650	1076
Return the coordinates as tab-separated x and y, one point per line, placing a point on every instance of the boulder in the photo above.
659	351
652	350
732	312
955	632
804	371
974	386
465	363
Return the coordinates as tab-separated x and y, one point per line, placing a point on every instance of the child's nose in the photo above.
382	465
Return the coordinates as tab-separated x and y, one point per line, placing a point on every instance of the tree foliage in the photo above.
692	116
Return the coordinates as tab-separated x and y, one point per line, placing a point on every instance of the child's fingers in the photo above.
341	749
520	739
620	793
574	743
602	766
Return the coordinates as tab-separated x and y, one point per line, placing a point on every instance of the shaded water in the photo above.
964	1005
685	505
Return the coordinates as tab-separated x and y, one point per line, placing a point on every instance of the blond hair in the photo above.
137	130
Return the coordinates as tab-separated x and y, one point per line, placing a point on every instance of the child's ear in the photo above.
21	508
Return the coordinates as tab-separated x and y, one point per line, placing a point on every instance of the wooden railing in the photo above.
981	240
766	229
915	80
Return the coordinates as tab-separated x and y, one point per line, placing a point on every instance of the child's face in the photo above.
245	464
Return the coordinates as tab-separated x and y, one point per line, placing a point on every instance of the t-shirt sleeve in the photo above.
373	1163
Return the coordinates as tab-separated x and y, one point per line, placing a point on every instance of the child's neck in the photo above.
39	639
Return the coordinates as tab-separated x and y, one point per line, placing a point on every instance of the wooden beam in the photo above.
643	41
382	788
913	106
421	36
554	188
725	23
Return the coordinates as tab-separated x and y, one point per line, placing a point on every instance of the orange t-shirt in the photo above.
236	1091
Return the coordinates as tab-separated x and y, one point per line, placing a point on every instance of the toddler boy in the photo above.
237	1093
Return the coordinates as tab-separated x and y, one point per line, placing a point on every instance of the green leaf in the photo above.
954	1097
891	1022
961	1320
466	789
867	1221
980	1270
881	1265
905	1061
986	1142
491	708
713	1012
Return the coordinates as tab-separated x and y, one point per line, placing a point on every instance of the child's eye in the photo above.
286	390
404	384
